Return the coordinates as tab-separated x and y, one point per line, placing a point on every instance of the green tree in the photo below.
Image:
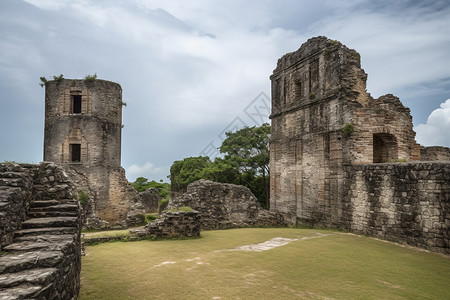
190	169
141	184
248	151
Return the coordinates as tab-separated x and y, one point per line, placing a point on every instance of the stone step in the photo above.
25	291
46	214
44	203
50	222
16	262
55	242
45	230
58	207
45	237
41	276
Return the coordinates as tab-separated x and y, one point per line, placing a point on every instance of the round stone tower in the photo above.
83	125
83	122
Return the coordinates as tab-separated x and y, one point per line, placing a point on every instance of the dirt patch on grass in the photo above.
274	243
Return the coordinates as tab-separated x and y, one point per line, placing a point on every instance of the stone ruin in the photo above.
340	158
223	206
83	125
40	227
210	205
150	200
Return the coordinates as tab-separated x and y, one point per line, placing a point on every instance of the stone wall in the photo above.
401	202
41	248
223	205
150	199
174	224
434	153
324	124
15	196
323	118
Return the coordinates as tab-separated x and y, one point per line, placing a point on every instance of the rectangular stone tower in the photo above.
323	120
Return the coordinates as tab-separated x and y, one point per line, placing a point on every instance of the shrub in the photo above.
58	78
83	197
348	128
44	81
90	78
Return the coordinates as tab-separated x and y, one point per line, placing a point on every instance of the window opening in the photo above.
384	148
76	104
75	150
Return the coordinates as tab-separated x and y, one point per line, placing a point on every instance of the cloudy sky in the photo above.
191	70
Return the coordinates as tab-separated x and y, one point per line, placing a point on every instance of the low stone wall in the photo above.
224	205
401	202
41	246
434	153
175	225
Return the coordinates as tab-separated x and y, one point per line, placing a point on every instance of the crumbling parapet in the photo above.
434	153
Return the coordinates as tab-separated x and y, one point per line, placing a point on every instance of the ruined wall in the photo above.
41	256
150	199
175	224
323	118
324	124
83	124
223	205
402	202
434	153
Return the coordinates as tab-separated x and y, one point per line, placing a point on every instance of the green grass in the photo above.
335	266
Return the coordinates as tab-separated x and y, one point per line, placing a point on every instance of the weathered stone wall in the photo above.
434	153
223	205
83	125
150	199
15	196
401	202
318	92
324	124
174	224
43	258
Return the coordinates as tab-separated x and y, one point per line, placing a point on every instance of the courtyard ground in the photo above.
263	263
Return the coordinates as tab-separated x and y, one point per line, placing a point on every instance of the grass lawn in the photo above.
330	265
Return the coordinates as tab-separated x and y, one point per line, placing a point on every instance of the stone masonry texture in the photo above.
223	205
40	233
83	124
324	127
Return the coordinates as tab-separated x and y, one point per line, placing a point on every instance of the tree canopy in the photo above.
245	162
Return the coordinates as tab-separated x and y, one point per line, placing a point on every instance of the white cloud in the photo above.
436	131
147	170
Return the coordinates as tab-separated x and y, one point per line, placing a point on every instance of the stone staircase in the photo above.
39	264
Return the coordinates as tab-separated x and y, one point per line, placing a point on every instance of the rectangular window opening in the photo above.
76	104
75	150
